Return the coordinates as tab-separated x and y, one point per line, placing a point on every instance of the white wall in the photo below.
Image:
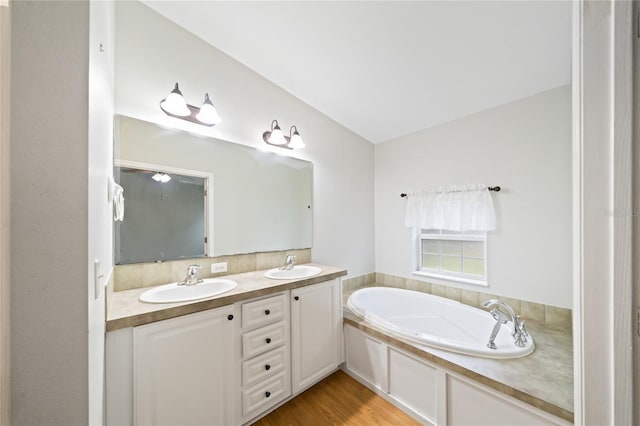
100	240
49	209
152	54
524	147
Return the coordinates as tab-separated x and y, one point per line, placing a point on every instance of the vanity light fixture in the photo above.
161	177
175	106
277	138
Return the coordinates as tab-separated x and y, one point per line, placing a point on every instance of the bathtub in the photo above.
435	321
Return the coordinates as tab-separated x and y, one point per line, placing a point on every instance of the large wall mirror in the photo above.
221	199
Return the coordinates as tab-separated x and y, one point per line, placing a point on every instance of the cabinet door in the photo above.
367	357
468	404
315	332
181	370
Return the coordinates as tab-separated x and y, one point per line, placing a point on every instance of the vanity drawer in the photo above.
263	366
260	397
263	339
264	311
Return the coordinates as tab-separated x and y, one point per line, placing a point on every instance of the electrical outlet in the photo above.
218	267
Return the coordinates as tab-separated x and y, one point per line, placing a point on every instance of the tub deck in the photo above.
543	379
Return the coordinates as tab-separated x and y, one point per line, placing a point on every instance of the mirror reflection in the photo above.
165	216
255	201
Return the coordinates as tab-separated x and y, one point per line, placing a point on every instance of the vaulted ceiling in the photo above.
384	69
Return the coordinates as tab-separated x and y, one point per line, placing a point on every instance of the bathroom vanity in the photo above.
225	360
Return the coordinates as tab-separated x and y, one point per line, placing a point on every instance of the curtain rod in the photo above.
491	188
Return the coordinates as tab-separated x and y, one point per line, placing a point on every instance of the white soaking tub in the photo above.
435	321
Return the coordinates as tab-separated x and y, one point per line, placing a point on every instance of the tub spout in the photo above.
519	333
500	318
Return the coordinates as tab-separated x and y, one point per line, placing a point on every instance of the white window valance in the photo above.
452	208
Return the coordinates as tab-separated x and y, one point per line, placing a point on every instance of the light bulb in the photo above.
296	140
277	137
208	113
175	104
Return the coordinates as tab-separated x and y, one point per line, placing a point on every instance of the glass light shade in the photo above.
277	137
208	113
175	104
296	141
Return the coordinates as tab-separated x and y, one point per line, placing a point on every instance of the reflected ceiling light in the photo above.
277	138
161	177
175	106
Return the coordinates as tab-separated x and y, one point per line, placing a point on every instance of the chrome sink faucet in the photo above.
288	263
192	276
519	333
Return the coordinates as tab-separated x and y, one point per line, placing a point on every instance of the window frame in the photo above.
437	274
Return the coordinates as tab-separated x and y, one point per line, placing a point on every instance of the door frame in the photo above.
5	199
602	211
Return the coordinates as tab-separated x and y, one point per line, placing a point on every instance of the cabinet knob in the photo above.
267	367
267	312
268	340
296	298
267	394
230	317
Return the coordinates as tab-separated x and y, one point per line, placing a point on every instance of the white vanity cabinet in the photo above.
180	370
316	332
227	365
264	344
177	371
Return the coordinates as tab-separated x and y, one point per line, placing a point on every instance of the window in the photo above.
450	255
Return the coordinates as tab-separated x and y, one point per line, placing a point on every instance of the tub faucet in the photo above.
501	318
519	333
288	263
192	276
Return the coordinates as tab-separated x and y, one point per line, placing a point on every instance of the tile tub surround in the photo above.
139	275
549	316
543	379
125	309
359	281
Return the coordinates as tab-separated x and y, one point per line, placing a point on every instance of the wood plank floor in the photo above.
337	400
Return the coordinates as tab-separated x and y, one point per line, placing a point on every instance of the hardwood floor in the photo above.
337	400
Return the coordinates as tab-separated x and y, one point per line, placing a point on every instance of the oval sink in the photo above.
171	293
298	271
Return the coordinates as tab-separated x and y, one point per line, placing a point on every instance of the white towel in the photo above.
116	194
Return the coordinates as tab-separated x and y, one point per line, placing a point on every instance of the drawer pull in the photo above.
267	312
267	367
296	298
267	394
268	340
230	317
